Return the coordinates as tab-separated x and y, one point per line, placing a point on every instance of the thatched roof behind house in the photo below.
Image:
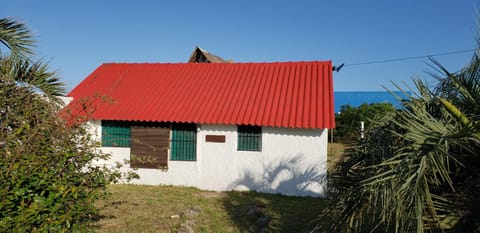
200	55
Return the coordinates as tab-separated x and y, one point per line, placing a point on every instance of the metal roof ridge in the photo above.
229	63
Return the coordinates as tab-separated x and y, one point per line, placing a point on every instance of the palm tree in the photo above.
18	69
417	170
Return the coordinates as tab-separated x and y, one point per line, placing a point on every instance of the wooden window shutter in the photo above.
149	147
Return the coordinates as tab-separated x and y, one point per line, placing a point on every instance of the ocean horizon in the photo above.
357	98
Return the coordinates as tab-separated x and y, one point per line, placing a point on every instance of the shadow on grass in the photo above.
287	213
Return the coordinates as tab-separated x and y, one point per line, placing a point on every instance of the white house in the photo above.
214	126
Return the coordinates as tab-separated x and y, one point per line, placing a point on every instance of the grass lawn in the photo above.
138	208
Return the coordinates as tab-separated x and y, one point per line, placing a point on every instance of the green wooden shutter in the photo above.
249	138
115	134
184	142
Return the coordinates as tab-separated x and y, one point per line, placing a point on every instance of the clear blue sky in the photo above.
78	36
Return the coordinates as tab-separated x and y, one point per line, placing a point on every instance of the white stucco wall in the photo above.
65	100
292	162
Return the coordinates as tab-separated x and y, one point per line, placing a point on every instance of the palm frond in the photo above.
32	75
16	37
462	89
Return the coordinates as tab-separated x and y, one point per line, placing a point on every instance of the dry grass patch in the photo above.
335	152
138	208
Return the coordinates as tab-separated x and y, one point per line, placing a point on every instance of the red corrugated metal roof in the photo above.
281	94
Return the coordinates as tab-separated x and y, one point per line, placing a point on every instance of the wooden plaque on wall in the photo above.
215	138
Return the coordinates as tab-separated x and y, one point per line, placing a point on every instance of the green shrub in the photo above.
47	179
347	128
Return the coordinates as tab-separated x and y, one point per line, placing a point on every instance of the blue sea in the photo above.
357	98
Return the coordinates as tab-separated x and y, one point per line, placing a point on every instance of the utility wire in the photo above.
409	58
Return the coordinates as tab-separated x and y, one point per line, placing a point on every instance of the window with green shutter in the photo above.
184	142
115	133
249	138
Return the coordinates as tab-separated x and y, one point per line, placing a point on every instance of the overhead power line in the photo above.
408	58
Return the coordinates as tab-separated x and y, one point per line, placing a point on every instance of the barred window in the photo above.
115	133
184	142
249	138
